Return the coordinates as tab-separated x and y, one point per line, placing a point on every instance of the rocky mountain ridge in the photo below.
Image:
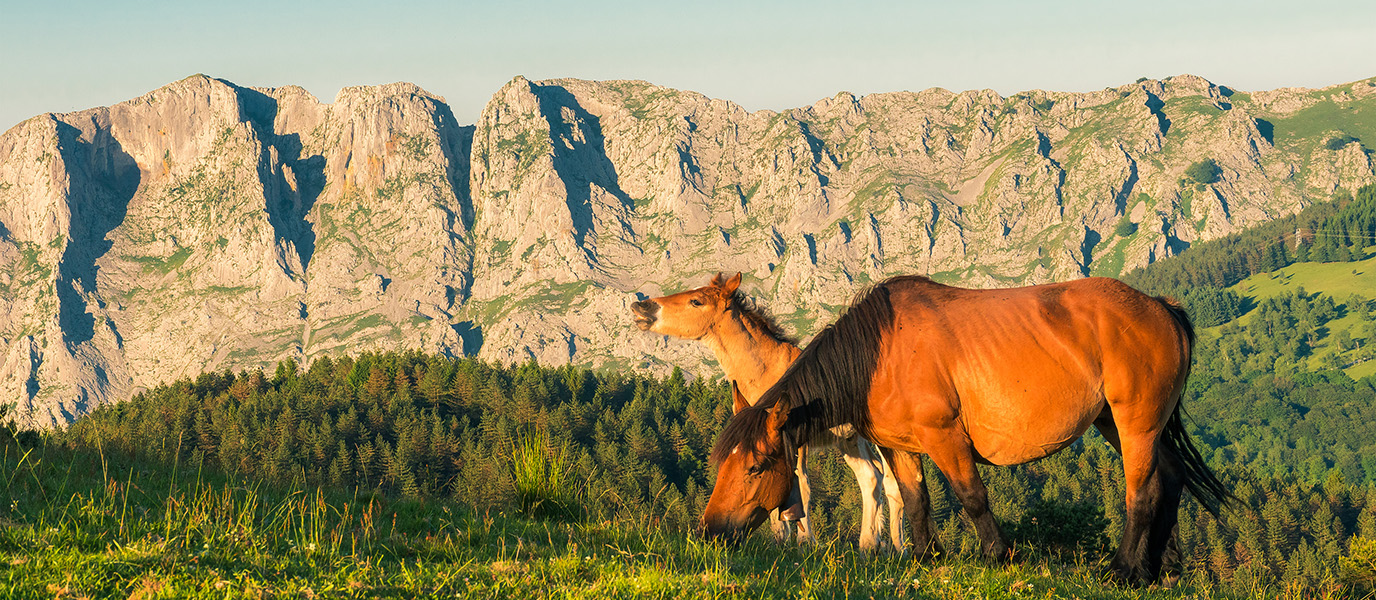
206	225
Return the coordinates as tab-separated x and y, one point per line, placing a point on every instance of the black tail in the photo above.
1197	476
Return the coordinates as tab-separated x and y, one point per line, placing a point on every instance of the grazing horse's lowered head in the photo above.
754	478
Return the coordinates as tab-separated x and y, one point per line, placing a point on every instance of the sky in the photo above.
59	56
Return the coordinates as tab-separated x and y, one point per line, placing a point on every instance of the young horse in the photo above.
754	353
1000	377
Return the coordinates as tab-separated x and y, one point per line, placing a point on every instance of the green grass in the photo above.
78	523
154	264
1339	279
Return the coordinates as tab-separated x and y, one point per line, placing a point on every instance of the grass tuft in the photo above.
543	477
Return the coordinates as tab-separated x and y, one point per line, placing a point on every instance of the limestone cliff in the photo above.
209	226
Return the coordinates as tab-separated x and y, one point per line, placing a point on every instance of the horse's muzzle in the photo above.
731	529
646	312
730	537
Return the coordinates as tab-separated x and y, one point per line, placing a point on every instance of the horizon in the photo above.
762	55
334	97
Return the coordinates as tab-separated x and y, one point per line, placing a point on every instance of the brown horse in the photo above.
755	353
1000	377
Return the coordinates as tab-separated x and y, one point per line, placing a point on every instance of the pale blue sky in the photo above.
70	55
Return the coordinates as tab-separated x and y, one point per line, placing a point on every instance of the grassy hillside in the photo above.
1341	281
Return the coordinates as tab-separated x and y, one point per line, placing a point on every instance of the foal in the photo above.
754	354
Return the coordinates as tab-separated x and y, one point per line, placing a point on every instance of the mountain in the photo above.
206	225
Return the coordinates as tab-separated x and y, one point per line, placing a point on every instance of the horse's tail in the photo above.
1198	478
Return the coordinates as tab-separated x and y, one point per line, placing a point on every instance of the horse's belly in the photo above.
1012	433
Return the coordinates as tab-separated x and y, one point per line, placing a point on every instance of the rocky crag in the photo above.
210	226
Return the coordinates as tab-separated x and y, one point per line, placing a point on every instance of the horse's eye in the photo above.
755	470
695	302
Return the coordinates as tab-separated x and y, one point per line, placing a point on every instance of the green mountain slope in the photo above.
1347	342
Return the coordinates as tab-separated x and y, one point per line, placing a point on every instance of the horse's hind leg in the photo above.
868	474
1104	423
1153	496
1162	541
907	472
1162	538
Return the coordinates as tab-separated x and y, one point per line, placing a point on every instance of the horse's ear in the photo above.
716	280
738	401
732	284
778	415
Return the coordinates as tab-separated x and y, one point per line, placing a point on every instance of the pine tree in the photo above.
1279	527
375	387
341	472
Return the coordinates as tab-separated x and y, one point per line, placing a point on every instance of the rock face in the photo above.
209	226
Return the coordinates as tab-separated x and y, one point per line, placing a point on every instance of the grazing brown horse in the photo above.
754	353
1000	377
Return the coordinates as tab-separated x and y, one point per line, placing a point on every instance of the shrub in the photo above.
1125	228
1063	527
1337	143
1359	566
1205	171
1210	306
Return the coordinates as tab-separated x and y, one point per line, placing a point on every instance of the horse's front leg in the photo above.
894	496
805	533
950	448
869	474
907	472
780	529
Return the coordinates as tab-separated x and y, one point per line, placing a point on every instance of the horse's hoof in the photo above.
926	552
1126	575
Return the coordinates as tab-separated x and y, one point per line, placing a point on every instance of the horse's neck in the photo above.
749	356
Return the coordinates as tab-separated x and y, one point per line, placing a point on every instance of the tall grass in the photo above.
543	477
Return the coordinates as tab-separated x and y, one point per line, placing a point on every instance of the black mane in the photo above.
827	385
759	317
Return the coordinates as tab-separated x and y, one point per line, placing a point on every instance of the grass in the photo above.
541	475
1338	279
154	264
78	523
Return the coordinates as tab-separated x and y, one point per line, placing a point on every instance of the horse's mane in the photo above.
760	318
828	384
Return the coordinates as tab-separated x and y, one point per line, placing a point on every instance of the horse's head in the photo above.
755	475
688	315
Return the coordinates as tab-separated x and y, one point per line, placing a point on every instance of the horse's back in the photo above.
1027	370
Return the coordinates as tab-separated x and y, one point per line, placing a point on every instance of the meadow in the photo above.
80	523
